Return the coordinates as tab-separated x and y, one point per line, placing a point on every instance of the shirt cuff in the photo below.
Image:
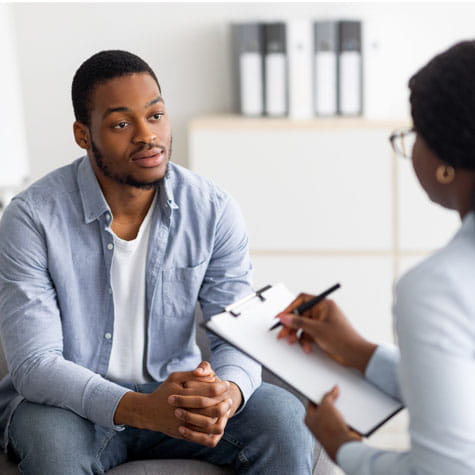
382	369
238	376
101	399
350	457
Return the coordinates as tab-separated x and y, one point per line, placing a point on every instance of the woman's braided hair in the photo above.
443	104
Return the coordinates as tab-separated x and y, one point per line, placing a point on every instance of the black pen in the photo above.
308	305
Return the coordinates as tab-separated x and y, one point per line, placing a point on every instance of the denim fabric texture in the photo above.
267	437
57	316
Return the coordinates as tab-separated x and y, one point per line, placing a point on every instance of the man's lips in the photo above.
147	154
149	158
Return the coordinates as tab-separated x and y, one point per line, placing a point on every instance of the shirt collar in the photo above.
93	201
167	197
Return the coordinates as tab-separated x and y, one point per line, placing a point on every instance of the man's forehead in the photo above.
125	91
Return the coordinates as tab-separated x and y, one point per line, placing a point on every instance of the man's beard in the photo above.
128	179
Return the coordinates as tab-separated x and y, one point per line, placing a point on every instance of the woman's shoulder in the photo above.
453	264
438	294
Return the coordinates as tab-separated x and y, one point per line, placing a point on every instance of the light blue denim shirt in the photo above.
56	302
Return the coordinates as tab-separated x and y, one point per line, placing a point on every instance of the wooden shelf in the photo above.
230	121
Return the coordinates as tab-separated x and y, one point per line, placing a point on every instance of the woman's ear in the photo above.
81	135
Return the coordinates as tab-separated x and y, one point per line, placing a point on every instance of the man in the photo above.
102	263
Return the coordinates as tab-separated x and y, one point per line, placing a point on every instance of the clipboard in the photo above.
245	324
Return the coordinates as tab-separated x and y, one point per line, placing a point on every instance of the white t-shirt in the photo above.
127	359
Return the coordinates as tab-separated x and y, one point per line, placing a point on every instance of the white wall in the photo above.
13	150
188	46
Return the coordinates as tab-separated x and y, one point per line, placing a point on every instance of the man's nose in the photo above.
144	133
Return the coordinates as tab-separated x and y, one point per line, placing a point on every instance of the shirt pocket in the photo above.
181	286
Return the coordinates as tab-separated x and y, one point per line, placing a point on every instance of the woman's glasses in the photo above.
402	141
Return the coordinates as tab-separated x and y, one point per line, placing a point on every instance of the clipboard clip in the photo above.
232	309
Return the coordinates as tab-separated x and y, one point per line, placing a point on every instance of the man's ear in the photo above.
81	135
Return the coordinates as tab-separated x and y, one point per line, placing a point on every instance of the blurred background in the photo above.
324	199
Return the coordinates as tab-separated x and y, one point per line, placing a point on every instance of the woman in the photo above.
433	371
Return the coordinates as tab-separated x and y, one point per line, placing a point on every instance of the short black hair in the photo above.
99	68
442	96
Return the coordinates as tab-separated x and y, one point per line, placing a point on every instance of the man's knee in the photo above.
51	440
272	430
278	413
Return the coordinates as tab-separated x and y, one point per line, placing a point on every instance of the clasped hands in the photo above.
192	405
203	405
326	326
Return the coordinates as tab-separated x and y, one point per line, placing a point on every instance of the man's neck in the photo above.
129	206
129	211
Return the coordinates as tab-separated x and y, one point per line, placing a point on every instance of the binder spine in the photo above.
275	69
326	68
350	84
247	39
300	71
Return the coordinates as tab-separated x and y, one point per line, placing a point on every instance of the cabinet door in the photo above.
304	188
365	295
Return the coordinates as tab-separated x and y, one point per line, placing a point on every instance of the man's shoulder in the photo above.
188	182
53	185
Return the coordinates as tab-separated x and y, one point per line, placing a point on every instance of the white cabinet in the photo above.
325	201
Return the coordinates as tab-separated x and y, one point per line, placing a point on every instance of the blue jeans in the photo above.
267	437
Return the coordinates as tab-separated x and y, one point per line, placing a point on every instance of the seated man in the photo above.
102	263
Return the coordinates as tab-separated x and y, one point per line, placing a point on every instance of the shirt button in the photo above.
108	216
110	246
108	336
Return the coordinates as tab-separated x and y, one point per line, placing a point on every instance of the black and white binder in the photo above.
326	68
247	40
300	72
245	325
275	61
350	87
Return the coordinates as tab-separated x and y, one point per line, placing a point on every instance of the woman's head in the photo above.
442	96
443	105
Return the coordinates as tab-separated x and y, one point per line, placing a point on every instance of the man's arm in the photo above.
227	279
30	326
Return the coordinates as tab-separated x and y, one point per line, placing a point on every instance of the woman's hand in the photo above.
327	424
326	325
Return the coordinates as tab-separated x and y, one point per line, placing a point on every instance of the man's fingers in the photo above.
219	410
197	422
205	388
203	372
204	423
204	369
208	440
191	402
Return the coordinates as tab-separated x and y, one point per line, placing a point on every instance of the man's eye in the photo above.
157	116
120	125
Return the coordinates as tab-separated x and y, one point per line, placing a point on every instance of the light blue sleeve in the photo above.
30	327
227	279
436	338
382	370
